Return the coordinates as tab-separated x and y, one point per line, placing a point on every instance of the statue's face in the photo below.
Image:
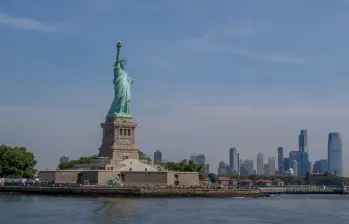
122	65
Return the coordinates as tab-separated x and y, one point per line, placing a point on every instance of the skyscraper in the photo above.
281	160
266	169
334	152
222	168
249	163
260	164
303	141
201	159
286	164
320	166
310	166
303	164
193	158
295	169
244	169
207	168
234	160
240	162
63	159
157	157
271	165
293	155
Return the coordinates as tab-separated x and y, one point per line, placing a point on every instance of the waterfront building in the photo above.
234	160
303	141
334	152
286	164
281	160
320	166
157	157
63	159
260	164
271	166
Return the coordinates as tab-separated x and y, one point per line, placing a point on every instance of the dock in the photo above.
303	190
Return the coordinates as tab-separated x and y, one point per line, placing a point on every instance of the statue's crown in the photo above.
123	60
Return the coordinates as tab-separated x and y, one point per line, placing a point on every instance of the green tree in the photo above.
16	162
71	163
181	167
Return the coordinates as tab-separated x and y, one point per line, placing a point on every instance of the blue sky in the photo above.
209	75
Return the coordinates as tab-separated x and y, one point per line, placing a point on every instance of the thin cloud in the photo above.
207	44
25	23
269	57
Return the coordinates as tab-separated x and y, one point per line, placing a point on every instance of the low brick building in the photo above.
100	177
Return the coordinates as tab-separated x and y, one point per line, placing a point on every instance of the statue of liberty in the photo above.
122	88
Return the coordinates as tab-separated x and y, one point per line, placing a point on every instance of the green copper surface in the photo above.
120	106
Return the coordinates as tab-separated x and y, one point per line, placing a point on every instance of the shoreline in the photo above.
134	192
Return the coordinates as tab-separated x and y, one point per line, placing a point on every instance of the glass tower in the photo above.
334	153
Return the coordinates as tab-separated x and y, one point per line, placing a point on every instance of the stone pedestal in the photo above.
118	142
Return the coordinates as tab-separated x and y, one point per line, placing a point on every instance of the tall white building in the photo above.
271	165
334	153
295	168
260	164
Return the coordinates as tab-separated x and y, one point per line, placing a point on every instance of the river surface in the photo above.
285	209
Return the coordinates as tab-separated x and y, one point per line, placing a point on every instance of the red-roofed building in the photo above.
223	180
263	183
246	183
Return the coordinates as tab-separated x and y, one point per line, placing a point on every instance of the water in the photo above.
286	209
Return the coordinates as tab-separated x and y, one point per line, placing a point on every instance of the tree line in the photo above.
16	162
324	179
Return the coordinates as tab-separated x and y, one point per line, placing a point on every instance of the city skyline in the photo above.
203	84
297	163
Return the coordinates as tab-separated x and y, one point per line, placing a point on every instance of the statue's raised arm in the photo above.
118	47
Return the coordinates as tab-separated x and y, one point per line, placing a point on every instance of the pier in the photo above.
303	190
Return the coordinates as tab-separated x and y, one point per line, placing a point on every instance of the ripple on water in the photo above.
285	209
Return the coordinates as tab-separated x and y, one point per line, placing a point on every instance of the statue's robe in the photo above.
122	92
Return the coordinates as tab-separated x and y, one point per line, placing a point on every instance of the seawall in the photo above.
133	192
